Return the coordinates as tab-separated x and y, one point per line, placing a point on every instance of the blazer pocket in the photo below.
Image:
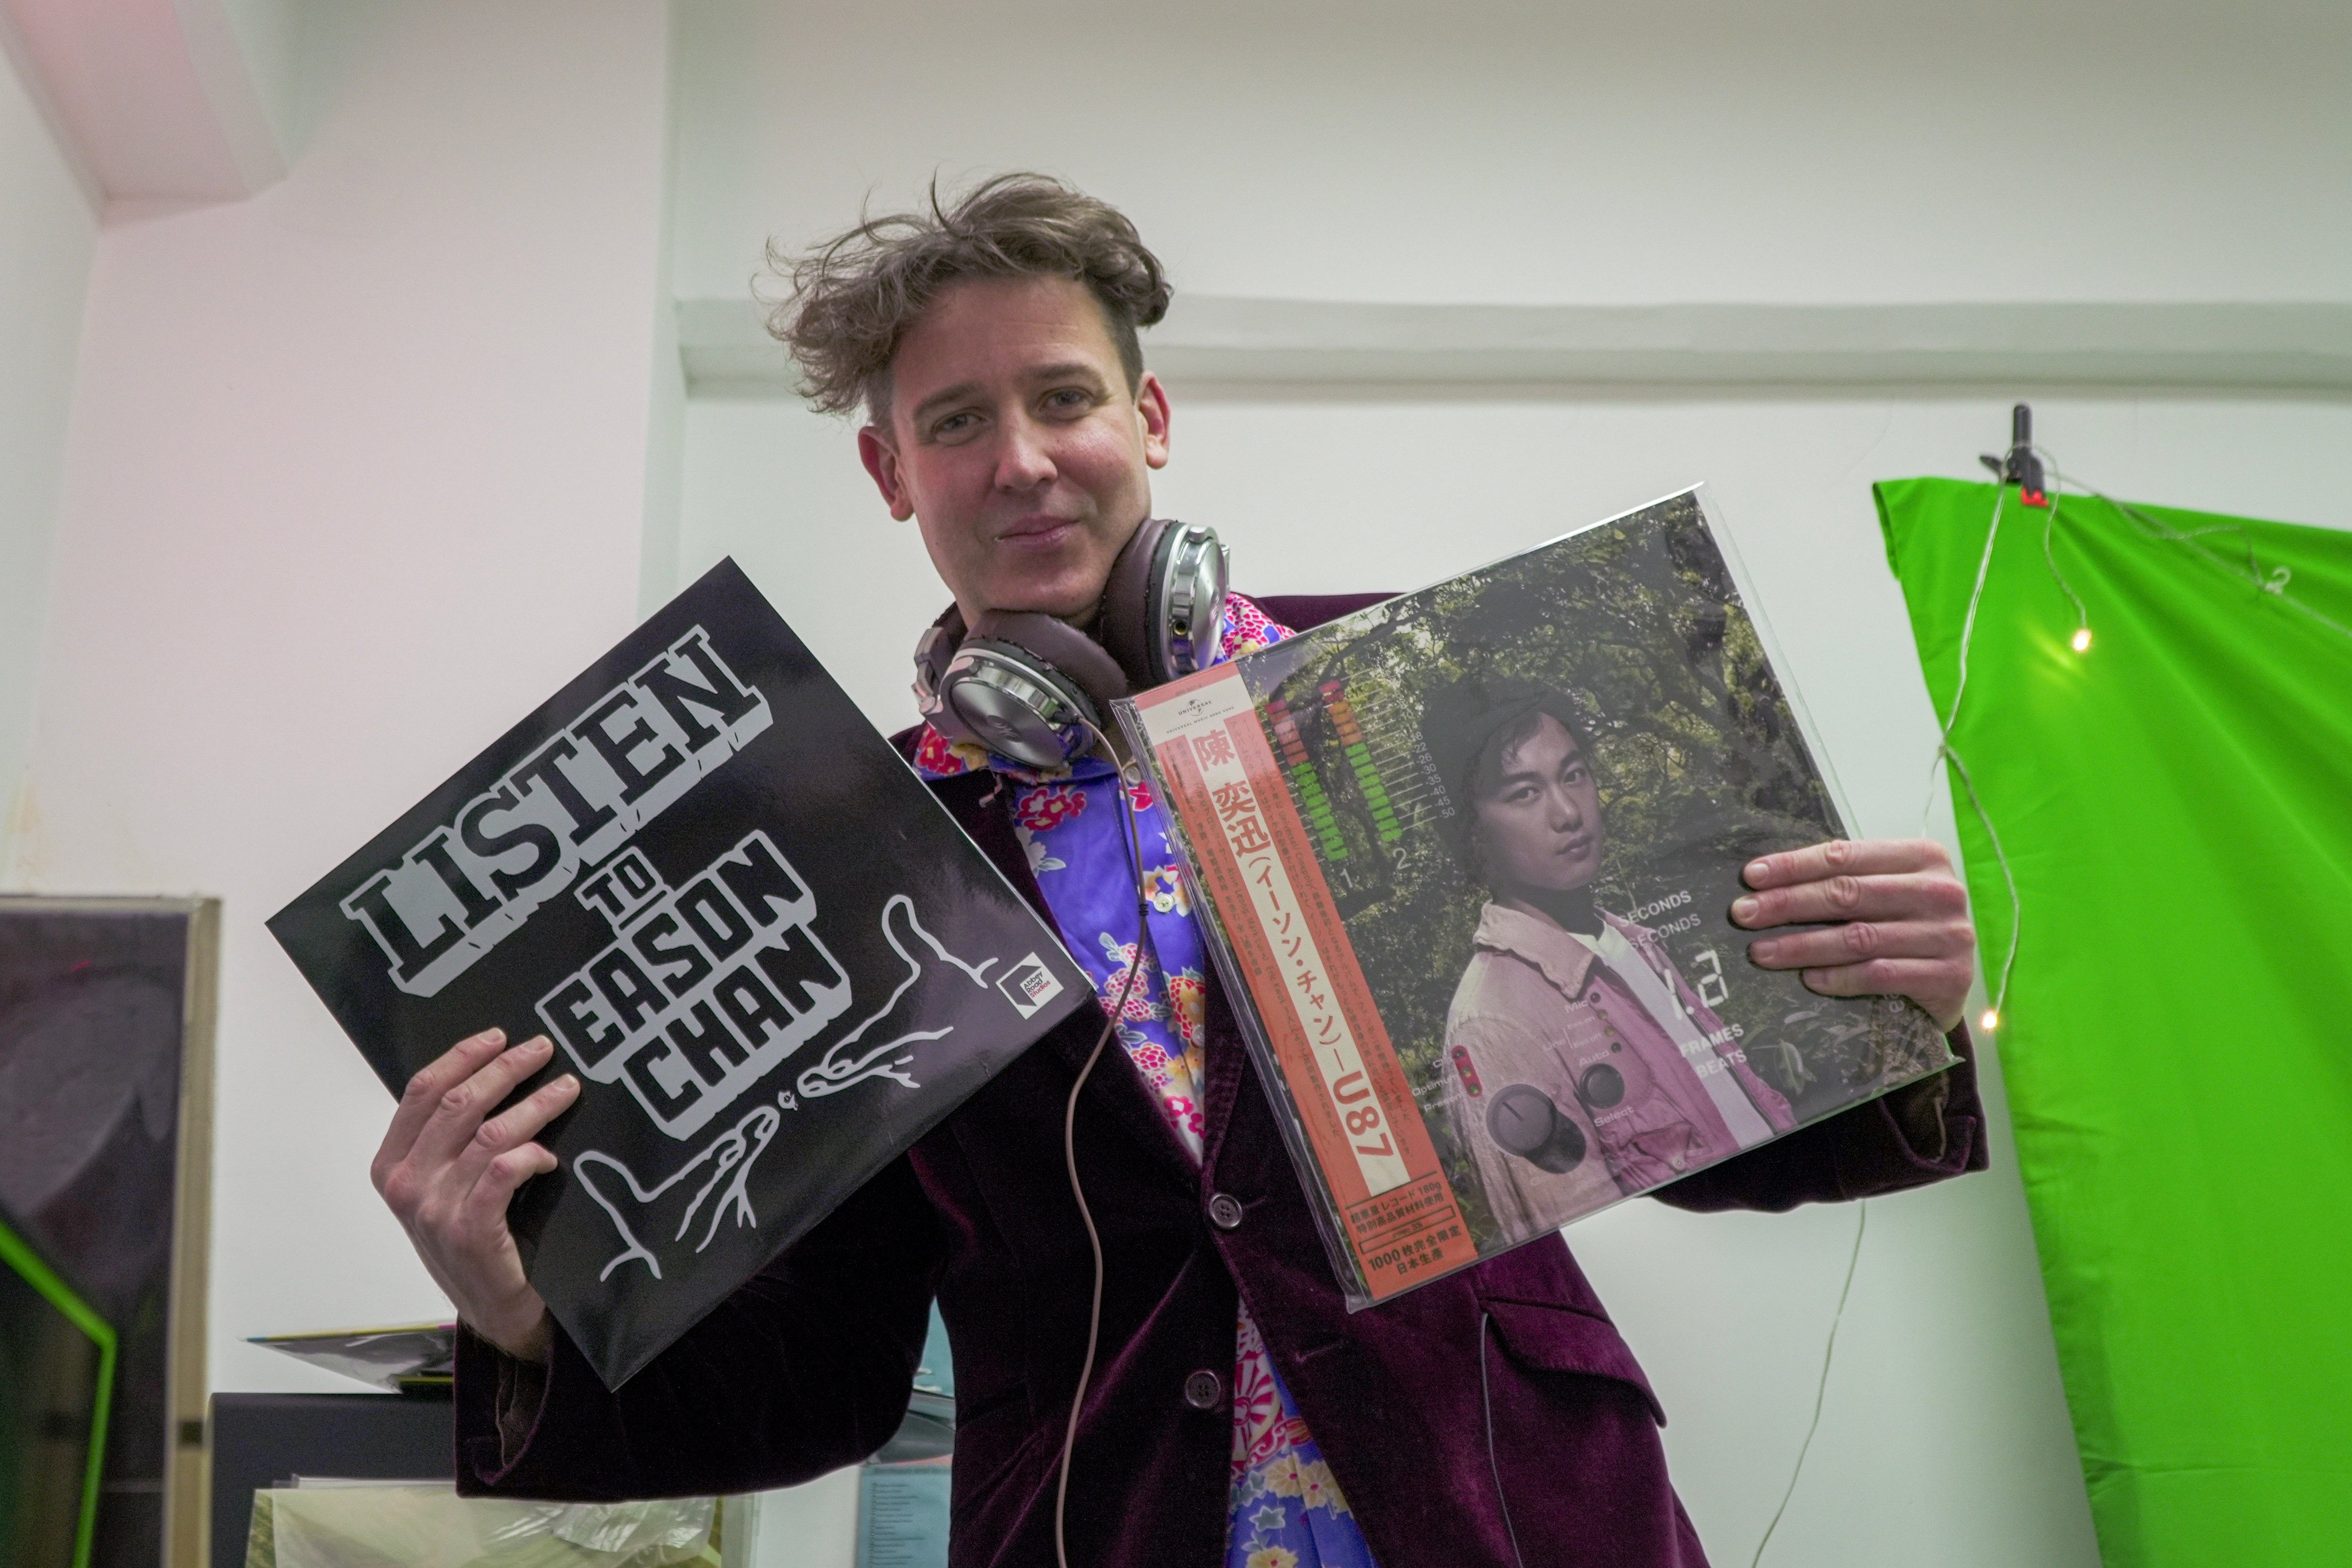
1549	1338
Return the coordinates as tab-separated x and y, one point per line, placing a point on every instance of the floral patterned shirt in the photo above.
1286	1510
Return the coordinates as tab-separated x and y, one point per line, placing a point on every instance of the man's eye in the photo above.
1069	400
955	425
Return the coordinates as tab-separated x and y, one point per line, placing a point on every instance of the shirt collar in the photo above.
1564	958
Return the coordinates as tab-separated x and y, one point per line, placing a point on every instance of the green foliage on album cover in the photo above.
1701	763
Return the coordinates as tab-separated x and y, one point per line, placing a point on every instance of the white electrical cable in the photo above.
1070	1129
1976	597
1861	1224
2049	559
1946	752
2157	528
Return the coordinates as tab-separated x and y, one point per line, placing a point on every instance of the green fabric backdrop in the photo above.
2177	806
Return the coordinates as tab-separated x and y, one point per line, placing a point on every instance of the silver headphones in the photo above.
1029	687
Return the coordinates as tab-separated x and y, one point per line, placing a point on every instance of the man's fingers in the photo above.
458	1113
445	1072
503	1307
1889	896
485	1207
519	1124
1861	941
1938	984
1845	858
477	1223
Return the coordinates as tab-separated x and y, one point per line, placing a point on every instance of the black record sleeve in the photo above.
773	961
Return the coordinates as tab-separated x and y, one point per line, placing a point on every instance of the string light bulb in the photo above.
2082	639
1991	1019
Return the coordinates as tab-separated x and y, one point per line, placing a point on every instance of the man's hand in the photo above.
447	1174
1906	930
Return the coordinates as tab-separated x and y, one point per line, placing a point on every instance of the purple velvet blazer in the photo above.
808	1366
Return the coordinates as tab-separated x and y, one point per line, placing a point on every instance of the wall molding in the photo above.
1224	345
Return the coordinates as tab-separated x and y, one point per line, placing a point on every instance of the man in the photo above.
1485	1416
1575	1043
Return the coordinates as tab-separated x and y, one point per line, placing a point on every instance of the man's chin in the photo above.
1072	596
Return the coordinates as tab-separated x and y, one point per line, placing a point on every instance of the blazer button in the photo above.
1202	1390
1226	1212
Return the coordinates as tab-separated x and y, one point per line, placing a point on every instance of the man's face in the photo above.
1538	823
1015	445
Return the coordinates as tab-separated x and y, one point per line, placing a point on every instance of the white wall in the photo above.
355	475
48	236
1536	151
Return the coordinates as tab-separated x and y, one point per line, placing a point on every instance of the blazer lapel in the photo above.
1226	1064
981	807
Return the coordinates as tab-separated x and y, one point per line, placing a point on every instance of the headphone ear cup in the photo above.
1000	695
1197	582
1163	612
1051	645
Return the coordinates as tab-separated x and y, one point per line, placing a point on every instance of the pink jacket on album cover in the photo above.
1588	1022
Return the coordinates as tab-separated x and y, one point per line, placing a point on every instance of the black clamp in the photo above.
2022	466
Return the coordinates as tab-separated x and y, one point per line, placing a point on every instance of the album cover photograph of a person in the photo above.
1588	1066
1530	791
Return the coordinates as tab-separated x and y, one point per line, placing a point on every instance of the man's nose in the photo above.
1022	463
1565	816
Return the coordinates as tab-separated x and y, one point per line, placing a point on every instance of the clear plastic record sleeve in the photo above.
1465	861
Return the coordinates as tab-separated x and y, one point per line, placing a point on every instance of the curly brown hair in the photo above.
853	297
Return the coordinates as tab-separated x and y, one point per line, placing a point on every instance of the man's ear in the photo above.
1151	408
876	450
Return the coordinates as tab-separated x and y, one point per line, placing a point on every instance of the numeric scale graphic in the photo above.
1379	746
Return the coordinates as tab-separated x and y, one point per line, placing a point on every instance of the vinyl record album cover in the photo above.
772	959
411	1355
1471	854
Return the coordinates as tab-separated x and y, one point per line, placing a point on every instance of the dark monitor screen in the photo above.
57	1361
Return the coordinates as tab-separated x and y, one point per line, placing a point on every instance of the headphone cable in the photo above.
1130	775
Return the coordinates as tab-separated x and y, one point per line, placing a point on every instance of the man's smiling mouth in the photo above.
1038	531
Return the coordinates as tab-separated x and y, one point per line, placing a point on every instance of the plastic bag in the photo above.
417	1526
